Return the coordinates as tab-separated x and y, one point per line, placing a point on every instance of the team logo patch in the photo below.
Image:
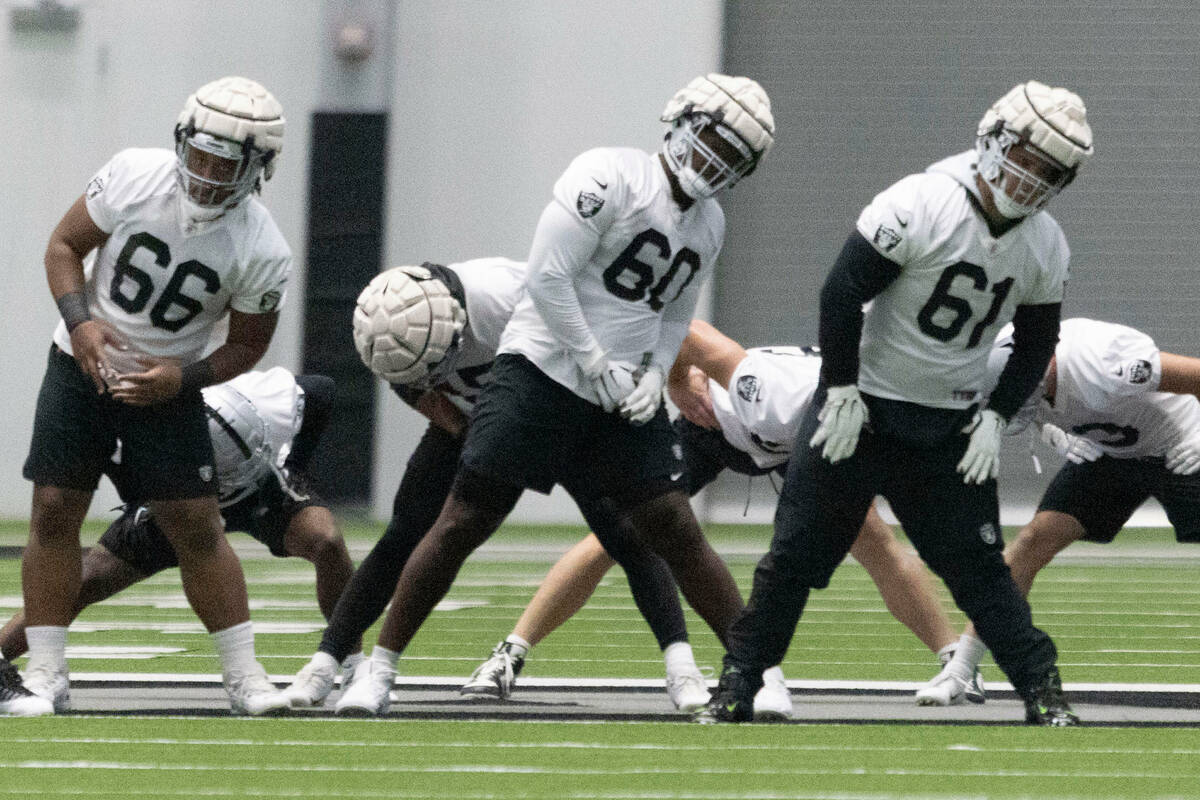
1140	371
206	473
987	532
887	238
269	301
747	388
95	186
588	204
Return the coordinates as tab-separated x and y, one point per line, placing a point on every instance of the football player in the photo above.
457	330
947	256
160	247
1126	418
265	427
739	411
615	268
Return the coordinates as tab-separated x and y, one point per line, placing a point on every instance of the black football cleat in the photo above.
733	699
1046	705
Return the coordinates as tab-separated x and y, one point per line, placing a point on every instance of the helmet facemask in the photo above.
1023	177
214	173
706	155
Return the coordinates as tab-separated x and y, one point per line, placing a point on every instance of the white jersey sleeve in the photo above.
124	182
1104	363
768	393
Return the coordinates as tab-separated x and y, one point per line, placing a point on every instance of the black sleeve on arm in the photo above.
319	391
1035	335
859	274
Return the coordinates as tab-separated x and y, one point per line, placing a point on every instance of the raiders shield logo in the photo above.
747	388
95	186
1140	371
886	238
206	473
269	301
588	204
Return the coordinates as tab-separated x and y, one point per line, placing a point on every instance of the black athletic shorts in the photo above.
1103	495
75	431
136	539
529	431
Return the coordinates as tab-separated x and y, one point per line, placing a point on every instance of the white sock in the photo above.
48	645
775	672
351	662
679	658
520	648
968	652
385	656
235	646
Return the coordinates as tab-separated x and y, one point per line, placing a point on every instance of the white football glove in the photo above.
842	418
612	380
1076	449
640	405
982	459
1184	457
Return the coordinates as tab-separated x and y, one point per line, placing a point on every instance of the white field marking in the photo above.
119	652
654	769
559	795
637	746
97	626
403	681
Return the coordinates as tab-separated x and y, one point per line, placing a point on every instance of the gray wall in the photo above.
866	92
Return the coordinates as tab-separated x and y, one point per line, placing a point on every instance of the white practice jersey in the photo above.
926	337
165	290
770	391
644	274
1107	390
278	403
492	287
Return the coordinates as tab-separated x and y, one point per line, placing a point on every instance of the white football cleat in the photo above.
687	688
949	689
51	684
773	703
369	693
494	679
252	693
313	682
16	699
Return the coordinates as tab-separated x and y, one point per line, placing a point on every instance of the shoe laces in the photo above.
10	682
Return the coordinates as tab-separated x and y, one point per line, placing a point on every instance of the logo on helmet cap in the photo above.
269	301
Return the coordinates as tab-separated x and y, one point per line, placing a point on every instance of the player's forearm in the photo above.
1180	374
859	274
1035	334
64	269
561	247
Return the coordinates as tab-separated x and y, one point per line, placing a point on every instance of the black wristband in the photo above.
73	308
196	376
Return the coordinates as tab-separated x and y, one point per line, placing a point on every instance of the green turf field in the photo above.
1128	613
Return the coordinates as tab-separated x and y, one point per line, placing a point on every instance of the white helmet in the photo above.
1047	130
240	442
229	132
408	326
738	110
1002	348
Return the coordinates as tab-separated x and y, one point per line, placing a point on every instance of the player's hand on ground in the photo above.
842	418
691	396
1076	449
89	341
981	462
156	385
640	405
1184	457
